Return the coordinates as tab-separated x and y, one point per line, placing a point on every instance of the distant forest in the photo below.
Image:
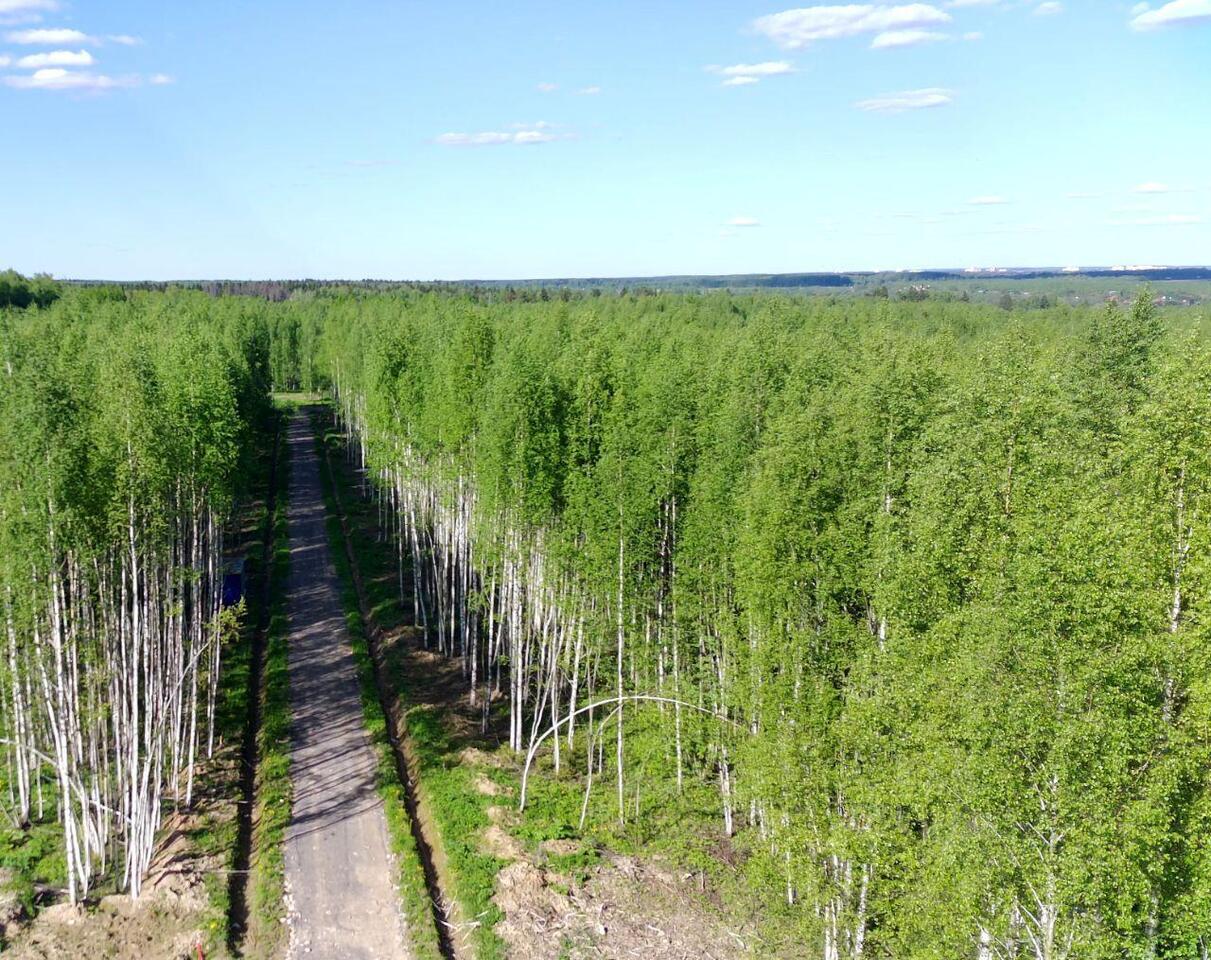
1025	288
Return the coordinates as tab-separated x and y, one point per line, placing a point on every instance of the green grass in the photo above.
410	881
34	855
460	812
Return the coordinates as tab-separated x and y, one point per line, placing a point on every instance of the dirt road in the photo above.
341	899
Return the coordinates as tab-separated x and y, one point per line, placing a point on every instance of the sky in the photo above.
524	139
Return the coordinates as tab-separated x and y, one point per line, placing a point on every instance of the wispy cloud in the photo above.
794	29
907	100
905	38
741	74
27	6
989	200
161	79
56	78
959	4
545	87
973	35
1159	220
50	37
520	135
743	221
770	68
588	91
1082	195
1049	9
124	39
1175	14
1150	186
999	229
56	58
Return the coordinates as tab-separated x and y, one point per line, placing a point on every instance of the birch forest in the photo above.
914	594
917	591
123	429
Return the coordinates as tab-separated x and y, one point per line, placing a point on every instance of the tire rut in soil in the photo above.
237	880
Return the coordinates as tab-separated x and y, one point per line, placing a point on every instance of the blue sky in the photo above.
455	139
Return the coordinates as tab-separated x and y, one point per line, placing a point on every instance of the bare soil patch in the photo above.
625	909
169	920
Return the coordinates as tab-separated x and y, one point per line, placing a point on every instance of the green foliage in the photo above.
19	292
929	578
126	429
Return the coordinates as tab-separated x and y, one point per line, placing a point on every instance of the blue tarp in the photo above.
233	581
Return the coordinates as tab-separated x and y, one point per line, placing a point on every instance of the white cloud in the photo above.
1049	9
743	74
797	28
1150	187
124	39
521	135
161	79
743	222
588	91
1161	220
1140	8
21	7
905	38
56	78
533	136
56	58
991	200
473	139
1177	13
770	68
546	87
907	100
973	36
5	61
50	37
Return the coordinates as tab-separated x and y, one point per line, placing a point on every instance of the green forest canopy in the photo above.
941	569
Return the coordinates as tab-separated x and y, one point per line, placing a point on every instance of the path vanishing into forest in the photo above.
342	903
